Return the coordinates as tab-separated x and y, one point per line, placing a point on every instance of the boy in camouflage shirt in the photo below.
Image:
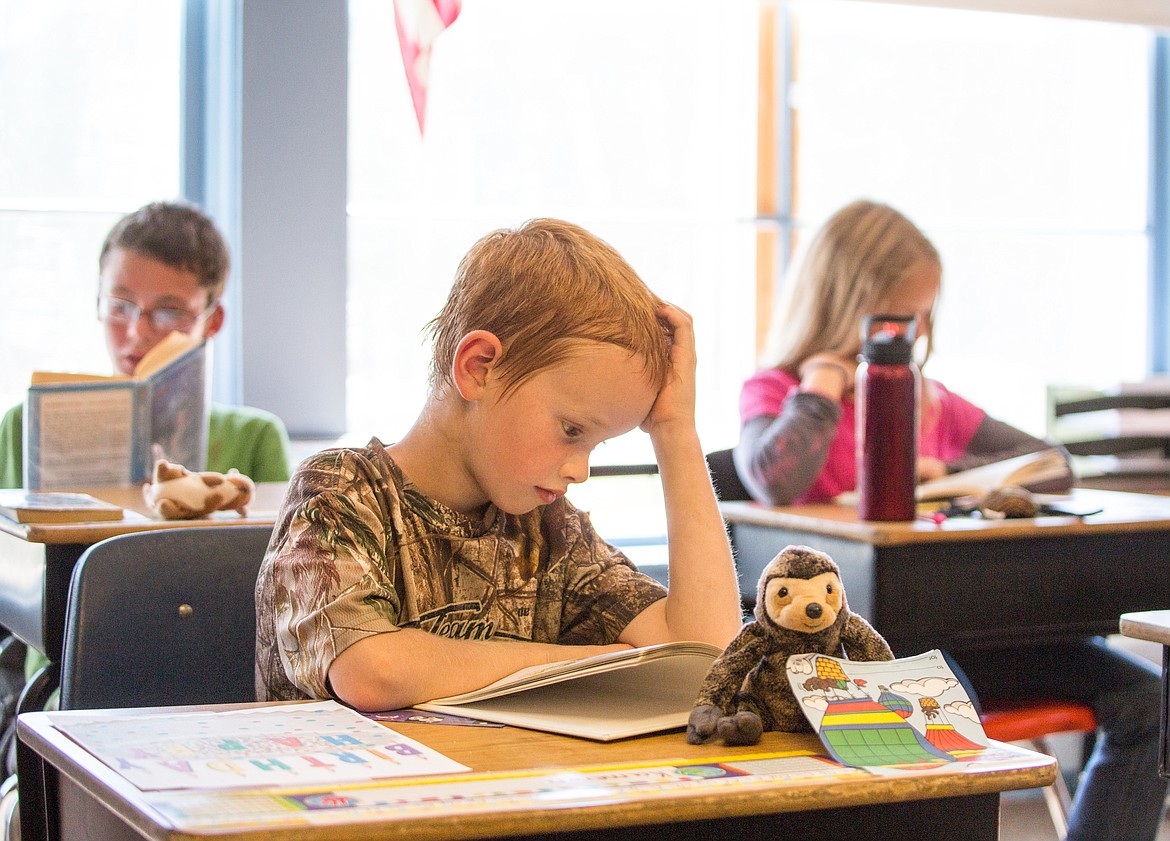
451	558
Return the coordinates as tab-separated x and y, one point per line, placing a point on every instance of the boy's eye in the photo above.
570	430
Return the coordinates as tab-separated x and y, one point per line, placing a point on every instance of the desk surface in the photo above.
137	517
516	753
1054	578
1152	625
1121	513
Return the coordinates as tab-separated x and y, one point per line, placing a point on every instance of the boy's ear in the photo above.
214	322
476	357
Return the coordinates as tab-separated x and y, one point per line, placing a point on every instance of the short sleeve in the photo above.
12	448
325	582
604	591
957	420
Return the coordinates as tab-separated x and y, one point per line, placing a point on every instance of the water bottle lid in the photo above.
887	339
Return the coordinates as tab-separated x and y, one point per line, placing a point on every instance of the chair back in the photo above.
164	617
728	486
1119	438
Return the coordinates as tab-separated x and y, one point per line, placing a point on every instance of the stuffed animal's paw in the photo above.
702	723
742	728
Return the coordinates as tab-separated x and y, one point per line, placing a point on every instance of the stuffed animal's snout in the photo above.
805	605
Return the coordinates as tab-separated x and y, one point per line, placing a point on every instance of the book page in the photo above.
641	697
165	352
78	438
1026	470
542	675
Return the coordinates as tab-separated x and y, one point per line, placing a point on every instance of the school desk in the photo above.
36	562
1154	626
966	583
548	786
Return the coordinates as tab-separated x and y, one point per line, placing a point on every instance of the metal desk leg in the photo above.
1164	726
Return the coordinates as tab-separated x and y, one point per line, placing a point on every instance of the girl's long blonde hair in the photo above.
851	266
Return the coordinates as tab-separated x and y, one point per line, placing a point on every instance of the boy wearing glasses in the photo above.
164	268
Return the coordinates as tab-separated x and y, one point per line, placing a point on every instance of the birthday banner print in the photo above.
285	745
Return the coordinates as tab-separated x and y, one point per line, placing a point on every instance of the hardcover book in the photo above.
89	431
49	507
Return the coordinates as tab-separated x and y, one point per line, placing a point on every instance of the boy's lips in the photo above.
548	496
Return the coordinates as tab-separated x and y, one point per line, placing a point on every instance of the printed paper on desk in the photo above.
910	714
285	745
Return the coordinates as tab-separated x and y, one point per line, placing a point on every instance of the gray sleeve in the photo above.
779	457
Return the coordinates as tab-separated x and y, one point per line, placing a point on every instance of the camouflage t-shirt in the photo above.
359	551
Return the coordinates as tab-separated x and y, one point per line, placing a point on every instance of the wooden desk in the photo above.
557	798
968	583
36	562
1154	626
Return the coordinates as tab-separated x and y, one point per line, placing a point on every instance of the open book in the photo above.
87	430
610	696
1032	471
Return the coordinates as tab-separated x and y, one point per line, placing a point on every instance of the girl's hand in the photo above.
828	374
676	400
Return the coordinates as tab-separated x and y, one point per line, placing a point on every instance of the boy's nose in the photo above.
576	470
140	326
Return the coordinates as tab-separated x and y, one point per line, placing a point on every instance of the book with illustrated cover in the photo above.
90	431
609	696
53	507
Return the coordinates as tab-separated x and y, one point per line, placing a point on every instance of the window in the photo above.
635	120
1021	146
90	100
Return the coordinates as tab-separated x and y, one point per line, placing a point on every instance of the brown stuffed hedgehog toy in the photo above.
800	609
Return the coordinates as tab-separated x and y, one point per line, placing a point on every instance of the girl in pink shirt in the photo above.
797	435
797	445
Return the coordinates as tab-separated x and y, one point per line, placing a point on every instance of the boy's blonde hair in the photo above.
852	264
543	289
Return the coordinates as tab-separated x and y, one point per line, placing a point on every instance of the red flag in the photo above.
419	23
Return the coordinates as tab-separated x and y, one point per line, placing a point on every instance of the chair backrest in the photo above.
1119	438
164	617
727	482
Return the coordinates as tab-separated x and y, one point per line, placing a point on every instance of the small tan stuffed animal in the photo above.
800	609
175	493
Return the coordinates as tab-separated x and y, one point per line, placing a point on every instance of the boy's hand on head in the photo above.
676	399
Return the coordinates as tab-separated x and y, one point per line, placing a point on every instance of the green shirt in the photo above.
252	441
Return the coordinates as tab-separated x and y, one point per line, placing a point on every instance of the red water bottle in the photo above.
887	392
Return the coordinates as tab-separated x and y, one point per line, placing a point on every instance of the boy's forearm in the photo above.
409	666
703	603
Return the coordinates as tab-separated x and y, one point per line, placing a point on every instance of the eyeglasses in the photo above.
113	310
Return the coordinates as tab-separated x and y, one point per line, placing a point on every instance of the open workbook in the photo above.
90	431
1034	471
606	697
